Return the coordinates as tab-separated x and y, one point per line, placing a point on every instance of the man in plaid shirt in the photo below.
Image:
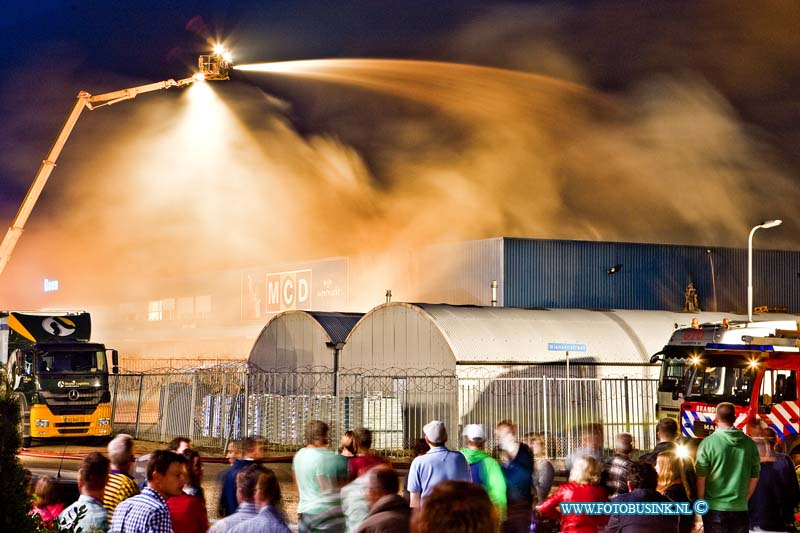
617	468
148	511
92	478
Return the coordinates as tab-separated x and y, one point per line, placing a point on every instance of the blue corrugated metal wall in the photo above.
563	274
776	278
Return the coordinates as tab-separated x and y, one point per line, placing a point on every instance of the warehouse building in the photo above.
220	314
402	364
605	275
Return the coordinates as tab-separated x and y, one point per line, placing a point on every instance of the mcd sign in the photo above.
288	290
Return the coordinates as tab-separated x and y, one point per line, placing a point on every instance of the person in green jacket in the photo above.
728	467
485	469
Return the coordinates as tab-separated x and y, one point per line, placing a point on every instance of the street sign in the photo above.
565	347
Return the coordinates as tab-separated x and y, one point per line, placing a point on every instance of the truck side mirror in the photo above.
668	385
677	393
764	404
19	362
114	361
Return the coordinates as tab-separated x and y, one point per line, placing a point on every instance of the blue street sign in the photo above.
565	347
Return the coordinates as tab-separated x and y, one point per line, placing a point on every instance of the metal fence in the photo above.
213	406
561	408
135	365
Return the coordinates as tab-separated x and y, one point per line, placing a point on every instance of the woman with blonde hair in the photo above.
672	484
543	471
347	445
583	486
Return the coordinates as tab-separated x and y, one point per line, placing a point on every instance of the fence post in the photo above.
114	401
337	351
163	415
193	405
226	432
245	406
139	406
544	408
337	406
569	409
627	407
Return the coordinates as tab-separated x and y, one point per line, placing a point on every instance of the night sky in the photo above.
53	48
750	54
745	56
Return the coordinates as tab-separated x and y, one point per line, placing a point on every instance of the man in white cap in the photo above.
439	464
484	468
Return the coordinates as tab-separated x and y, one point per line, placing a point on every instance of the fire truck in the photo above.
59	377
758	376
686	344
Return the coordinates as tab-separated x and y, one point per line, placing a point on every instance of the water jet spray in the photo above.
211	67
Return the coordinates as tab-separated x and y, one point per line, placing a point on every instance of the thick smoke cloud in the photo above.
660	140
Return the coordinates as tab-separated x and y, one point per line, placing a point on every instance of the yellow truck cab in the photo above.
60	378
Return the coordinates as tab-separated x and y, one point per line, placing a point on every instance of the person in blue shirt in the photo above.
252	449
642	481
771	507
246	481
92	478
517	465
177	445
436	466
270	517
148	511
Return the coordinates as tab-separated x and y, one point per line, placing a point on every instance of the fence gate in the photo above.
562	408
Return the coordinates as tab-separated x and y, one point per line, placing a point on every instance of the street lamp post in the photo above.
763	225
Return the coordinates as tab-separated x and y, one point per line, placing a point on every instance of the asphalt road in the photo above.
46	460
63	457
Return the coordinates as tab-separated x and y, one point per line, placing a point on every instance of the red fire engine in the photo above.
758	377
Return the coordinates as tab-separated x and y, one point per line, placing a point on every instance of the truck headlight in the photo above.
104	421
42	423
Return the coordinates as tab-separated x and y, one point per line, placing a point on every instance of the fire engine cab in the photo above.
689	344
758	377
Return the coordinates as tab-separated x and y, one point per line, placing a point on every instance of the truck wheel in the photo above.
24	422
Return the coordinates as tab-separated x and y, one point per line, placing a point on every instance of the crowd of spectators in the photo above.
747	482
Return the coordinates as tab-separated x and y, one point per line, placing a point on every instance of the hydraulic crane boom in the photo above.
212	67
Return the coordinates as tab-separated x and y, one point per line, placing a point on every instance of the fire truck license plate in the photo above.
703	429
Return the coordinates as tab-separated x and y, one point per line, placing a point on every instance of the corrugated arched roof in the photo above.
336	325
294	339
388	337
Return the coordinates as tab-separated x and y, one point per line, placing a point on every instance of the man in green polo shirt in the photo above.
727	466
319	474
